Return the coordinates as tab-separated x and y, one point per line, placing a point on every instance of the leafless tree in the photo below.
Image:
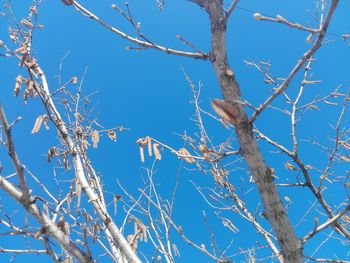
79	218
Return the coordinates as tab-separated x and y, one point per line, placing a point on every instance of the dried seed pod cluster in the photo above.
152	148
38	123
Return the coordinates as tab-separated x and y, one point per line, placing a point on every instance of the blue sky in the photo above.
146	91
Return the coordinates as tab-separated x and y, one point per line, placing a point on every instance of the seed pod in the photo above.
95	139
186	155
156	151
37	125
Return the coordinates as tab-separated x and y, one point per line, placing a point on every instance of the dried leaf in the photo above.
95	138
314	107
156	151
290	166
345	159
112	135
37	124
186	155
225	110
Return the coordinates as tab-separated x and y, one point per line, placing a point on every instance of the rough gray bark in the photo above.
262	174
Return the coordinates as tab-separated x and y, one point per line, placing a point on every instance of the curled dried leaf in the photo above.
225	110
95	138
183	153
290	166
157	152
37	124
112	135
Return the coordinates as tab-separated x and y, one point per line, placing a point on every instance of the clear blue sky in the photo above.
146	91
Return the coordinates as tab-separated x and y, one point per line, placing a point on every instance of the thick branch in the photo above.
274	209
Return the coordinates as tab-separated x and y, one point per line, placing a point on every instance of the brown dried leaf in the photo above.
95	138
345	159
314	107
37	124
225	110
186	155
290	166
157	152
112	135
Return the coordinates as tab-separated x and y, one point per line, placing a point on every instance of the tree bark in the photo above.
290	245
